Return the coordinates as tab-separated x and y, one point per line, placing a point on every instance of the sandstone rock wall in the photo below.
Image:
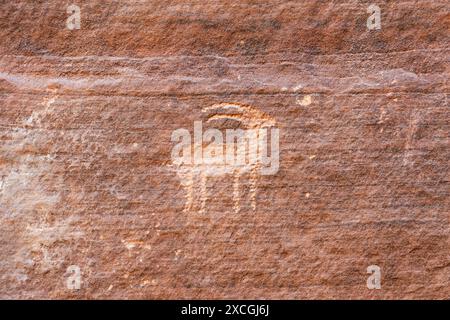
87	179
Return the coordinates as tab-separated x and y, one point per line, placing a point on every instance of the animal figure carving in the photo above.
242	157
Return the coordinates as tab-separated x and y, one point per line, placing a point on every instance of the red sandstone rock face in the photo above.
87	179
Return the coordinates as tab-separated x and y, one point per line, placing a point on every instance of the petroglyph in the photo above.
243	151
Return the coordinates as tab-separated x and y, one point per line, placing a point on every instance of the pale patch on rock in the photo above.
30	226
131	244
305	101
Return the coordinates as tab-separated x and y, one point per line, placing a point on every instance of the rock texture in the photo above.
86	176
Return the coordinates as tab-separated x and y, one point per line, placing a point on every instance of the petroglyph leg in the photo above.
253	186
203	192
236	195
189	187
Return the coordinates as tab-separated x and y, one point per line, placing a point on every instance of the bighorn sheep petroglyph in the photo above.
243	151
